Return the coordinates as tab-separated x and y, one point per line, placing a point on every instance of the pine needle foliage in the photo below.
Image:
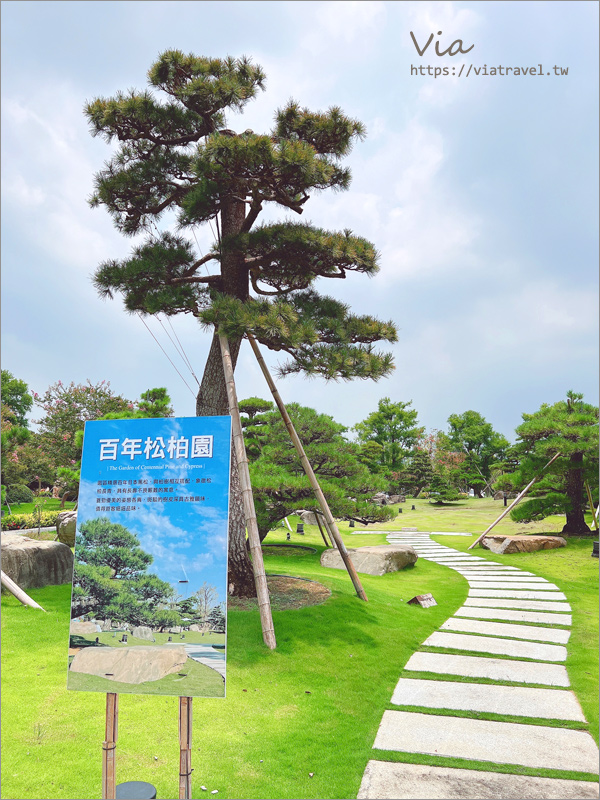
174	155
279	483
569	427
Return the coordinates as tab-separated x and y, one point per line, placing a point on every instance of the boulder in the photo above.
32	564
397	498
521	544
84	628
130	664
376	560
380	498
142	632
175	629
66	525
308	517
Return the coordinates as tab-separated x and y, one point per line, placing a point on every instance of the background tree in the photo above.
569	427
66	409
217	619
153	403
394	427
176	155
110	578
15	395
441	488
483	446
279	483
417	474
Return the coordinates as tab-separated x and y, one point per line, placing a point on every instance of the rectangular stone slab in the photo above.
496	669
515	616
481	566
386	780
464	559
530	632
500	647
503	577
536	746
497	572
508	584
517	595
518	701
531	605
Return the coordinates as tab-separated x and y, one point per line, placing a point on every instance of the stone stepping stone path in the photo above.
513	627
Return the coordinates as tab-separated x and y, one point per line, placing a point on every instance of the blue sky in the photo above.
480	193
187	538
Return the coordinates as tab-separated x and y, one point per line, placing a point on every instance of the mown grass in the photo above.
47	504
313	705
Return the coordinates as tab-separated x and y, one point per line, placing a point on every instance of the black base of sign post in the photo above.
136	790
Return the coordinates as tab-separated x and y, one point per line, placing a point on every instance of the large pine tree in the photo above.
569	427
175	154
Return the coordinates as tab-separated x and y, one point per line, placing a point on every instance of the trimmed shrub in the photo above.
15	522
19	493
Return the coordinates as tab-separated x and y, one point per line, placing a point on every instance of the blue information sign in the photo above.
148	609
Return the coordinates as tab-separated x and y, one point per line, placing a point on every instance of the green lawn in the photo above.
313	705
48	504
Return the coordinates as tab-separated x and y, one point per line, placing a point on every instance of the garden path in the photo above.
525	620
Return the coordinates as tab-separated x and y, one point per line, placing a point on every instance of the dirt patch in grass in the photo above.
285	593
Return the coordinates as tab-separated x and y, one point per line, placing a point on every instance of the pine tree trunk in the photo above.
212	401
576	523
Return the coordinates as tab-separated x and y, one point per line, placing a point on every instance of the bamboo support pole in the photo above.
589	494
513	504
185	748
327	528
317	517
109	786
260	579
13	588
330	522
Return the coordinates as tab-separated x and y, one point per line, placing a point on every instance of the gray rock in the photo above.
521	544
130	664
84	628
373	560
32	564
66	525
308	517
142	632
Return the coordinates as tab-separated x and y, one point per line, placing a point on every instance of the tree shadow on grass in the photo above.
76	640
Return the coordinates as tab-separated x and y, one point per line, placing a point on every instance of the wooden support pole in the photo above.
185	748
317	517
320	514
109	785
589	494
332	527
513	504
260	579
19	593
